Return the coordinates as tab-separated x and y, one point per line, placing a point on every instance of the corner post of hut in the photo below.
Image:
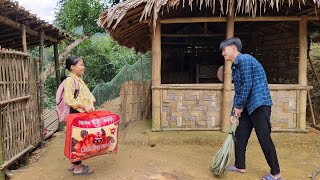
227	82
156	76
303	45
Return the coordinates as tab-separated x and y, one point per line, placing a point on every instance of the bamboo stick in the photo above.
156	77
56	64
220	87
236	19
15	99
227	79
7	163
41	86
192	129
303	45
14	53
24	38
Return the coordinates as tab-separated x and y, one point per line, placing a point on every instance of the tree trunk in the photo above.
64	54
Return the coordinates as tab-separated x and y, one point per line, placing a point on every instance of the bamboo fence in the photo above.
19	127
135	98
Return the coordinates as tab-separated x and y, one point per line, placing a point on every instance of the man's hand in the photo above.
237	112
234	120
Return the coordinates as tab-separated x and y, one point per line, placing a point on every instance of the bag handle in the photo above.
93	114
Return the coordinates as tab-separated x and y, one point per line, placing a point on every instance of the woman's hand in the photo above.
89	108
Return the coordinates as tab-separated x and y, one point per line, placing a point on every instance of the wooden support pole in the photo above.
57	64
156	77
24	38
41	86
58	78
227	79
303	46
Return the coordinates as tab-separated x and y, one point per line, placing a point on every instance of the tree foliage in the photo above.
72	14
103	58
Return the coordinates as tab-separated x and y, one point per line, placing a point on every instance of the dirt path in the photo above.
176	156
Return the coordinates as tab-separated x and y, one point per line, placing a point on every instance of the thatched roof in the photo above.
13	17
125	22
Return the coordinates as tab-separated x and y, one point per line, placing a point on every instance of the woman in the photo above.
82	103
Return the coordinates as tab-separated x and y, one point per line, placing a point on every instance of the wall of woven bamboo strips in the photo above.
18	102
200	106
279	55
135	98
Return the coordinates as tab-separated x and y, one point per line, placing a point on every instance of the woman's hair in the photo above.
71	60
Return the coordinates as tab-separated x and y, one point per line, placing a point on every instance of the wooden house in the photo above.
184	38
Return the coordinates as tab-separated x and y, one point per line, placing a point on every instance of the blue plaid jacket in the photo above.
250	84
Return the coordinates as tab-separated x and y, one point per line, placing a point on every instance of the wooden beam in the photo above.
14	52
236	19
156	77
14	99
41	86
57	64
227	79
16	25
303	46
13	159
194	35
24	38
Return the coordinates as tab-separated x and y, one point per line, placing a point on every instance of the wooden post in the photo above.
303	45
41	86
156	77
24	38
58	78
56	63
227	79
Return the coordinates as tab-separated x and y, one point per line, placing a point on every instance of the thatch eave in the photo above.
124	20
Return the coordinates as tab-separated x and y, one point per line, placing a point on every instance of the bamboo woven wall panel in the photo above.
279	55
284	109
18	103
135	98
191	108
203	109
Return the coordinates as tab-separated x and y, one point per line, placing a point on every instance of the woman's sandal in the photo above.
270	177
233	169
70	169
85	171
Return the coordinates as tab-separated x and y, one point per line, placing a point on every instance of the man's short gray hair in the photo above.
231	41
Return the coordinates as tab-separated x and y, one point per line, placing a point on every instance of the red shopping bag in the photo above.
89	135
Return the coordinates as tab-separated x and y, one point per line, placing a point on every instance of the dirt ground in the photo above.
175	155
